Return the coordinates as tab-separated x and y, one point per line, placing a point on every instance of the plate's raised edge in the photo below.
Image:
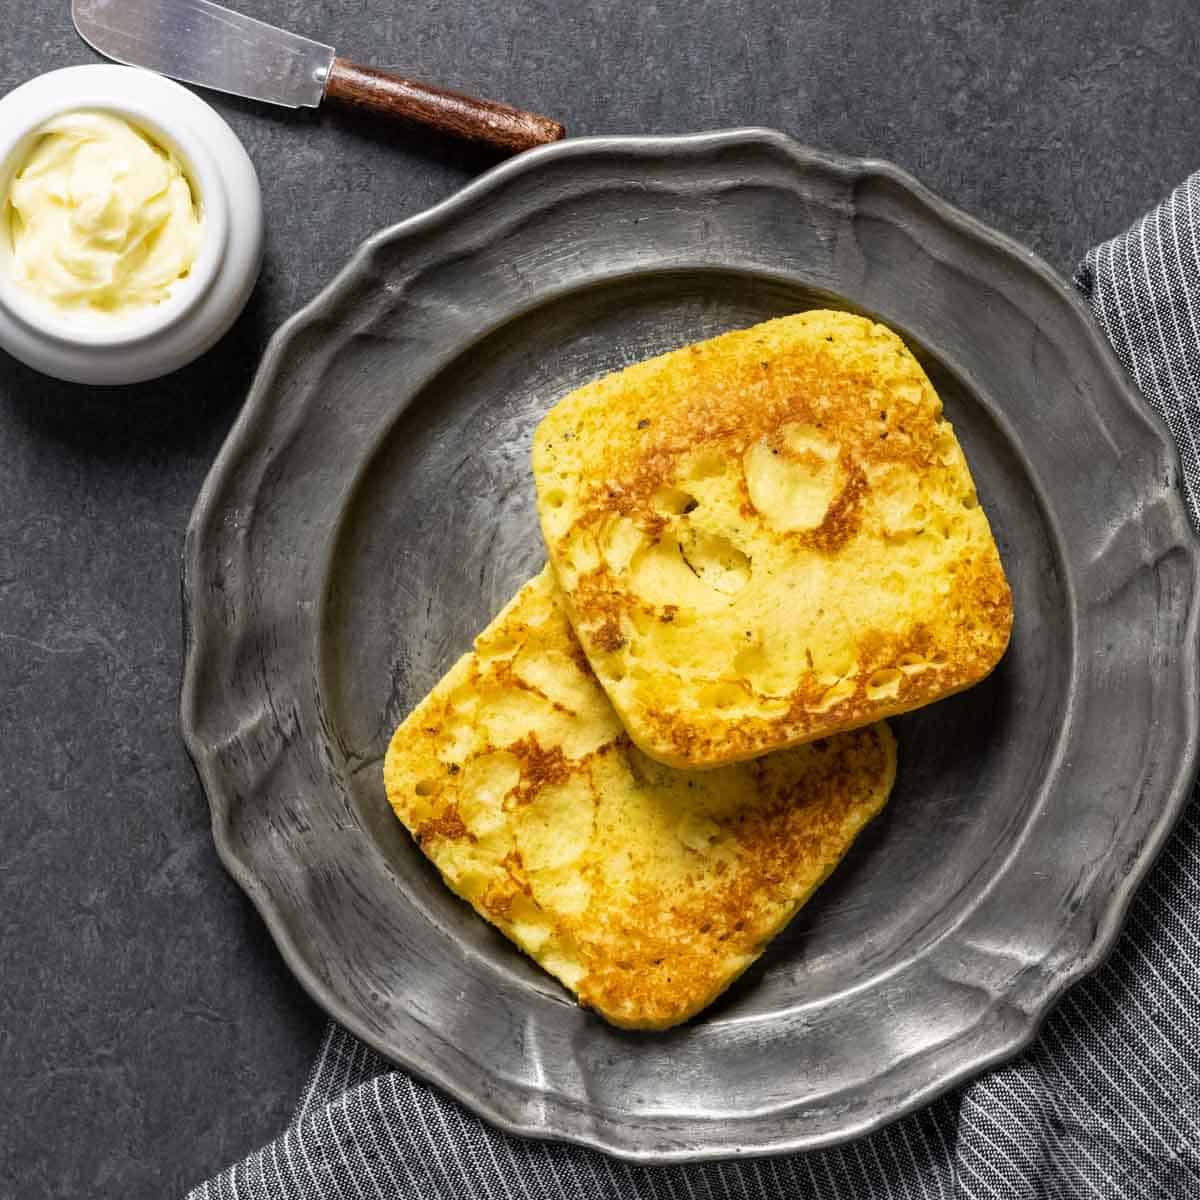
654	148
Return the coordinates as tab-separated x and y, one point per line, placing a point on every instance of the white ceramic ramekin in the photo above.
155	341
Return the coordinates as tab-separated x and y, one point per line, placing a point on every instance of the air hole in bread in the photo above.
716	561
581	552
699	571
793	476
621	539
674	502
839	692
884	684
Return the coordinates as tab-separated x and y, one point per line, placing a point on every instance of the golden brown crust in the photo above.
645	889
769	537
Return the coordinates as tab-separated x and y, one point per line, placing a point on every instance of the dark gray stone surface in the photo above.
148	1031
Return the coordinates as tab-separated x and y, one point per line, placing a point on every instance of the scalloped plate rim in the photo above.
444	213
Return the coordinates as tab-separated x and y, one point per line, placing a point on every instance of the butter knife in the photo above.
202	43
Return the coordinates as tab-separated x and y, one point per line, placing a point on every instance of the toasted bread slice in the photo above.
644	889
769	537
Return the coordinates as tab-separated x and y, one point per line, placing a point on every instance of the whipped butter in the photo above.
101	219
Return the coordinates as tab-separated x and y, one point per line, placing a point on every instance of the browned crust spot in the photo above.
540	767
448	825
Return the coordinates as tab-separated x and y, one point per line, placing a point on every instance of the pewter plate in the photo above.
373	508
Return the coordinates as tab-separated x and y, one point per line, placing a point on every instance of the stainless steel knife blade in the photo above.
203	43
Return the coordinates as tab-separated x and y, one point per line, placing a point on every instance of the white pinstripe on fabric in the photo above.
736	1168
969	1169
1132	1029
259	1162
373	1123
1170	1116
707	1176
1121	312
333	1075
1190	192
342	1106
419	1108
237	1188
947	1157
856	1148
479	1149
654	1178
873	1145
1171	357
1181	341
610	1171
912	1158
631	1180
392	1119
290	1182
479	1146
360	1126
1131	1076
1133	919
773	1163
1067	1079
1180	846
589	1183
279	1181
756	1165
304	1158
982	1118
346	1175
363	1122
1169	905
834	1190
1191	463
1092	1186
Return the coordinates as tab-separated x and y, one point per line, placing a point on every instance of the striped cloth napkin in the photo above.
1106	1103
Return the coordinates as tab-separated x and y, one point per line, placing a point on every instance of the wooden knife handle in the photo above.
485	121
